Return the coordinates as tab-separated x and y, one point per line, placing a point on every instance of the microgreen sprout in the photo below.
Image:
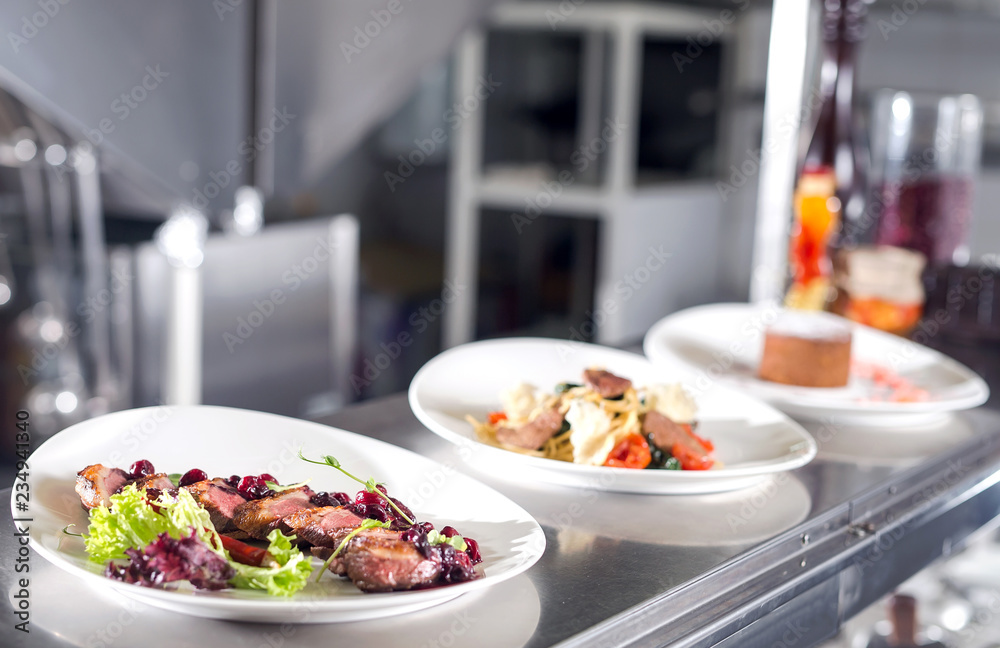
436	538
367	524
70	533
278	488
371	485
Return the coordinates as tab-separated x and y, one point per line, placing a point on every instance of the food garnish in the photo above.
151	533
371	485
135	528
887	385
289	576
167	560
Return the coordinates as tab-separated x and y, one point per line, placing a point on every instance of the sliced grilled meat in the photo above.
159	481
606	383
336	565
534	434
96	484
260	517
219	499
322	527
376	560
672	437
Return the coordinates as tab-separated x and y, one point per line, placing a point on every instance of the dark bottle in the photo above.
830	192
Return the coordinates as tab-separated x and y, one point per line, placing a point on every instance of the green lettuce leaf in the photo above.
290	577
132	523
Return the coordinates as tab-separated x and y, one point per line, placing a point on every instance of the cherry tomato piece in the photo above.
691	460
631	452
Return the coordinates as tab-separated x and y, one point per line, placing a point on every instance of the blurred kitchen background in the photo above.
293	206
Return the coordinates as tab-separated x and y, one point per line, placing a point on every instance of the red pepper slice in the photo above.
241	552
496	417
631	452
708	445
690	459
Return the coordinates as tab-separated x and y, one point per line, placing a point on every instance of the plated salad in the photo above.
158	530
602	421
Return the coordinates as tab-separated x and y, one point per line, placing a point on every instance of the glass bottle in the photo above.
829	194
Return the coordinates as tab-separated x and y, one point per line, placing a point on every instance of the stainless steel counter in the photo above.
783	563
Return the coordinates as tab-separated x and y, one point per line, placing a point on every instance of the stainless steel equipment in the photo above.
279	319
630	570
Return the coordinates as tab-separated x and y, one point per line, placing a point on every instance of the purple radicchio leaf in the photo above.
167	560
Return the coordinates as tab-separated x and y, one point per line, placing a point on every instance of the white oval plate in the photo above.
224	441
752	439
725	341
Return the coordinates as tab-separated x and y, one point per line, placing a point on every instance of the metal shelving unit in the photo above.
618	197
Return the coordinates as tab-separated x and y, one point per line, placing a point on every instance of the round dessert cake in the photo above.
808	349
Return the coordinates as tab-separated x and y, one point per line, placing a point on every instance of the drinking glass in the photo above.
925	159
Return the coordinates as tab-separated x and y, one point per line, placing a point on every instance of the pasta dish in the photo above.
603	421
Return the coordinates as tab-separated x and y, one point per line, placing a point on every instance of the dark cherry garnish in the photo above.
473	551
269	478
192	476
405	509
324	498
369	499
418	536
140	469
449	532
234	481
456	565
153	494
253	487
371	511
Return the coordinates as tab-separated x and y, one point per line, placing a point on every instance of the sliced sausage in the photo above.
606	383
533	434
667	434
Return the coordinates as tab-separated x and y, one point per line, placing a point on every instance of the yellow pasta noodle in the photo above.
625	416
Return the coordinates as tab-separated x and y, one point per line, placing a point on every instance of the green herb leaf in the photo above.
131	523
289	577
371	485
672	464
70	533
175	478
278	488
436	538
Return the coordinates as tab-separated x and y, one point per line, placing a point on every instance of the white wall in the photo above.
682	221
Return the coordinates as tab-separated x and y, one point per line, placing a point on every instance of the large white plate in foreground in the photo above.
752	439
224	441
725	341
